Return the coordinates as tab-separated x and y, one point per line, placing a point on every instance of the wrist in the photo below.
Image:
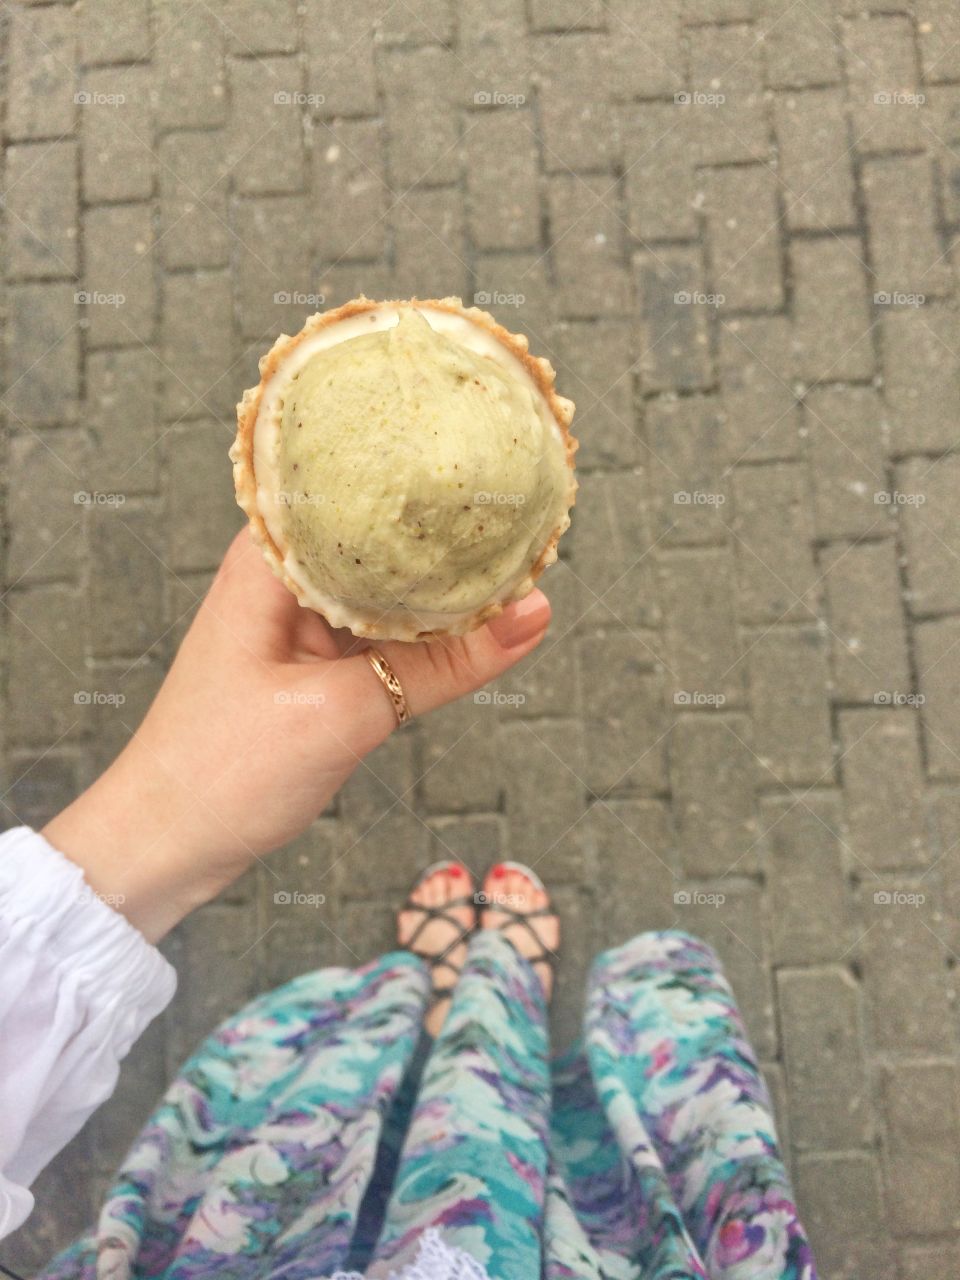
128	834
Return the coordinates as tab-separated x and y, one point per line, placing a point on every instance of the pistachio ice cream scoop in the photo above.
407	467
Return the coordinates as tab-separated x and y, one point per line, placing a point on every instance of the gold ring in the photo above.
388	678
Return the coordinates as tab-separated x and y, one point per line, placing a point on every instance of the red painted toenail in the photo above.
455	869
499	871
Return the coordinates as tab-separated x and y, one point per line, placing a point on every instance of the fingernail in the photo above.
521	621
499	871
455	869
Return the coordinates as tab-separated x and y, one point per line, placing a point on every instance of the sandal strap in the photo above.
543	956
437	959
438	913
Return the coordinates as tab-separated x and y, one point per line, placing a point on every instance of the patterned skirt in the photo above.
318	1131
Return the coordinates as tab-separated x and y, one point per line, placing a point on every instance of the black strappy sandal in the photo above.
543	955
463	932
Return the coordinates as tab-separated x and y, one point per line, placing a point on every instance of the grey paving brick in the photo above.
46	665
429	244
822	1042
942	119
938	28
802	848
44	473
673	318
921	376
221	940
546	680
545	786
816	159
125	546
126	688
503	189
633	839
348	177
743	235
799	46
594	365
339	44
712	780
921	1166
867	632
266	152
120	410
648	49
115	33
624	738
196	346
579	126
476	841
939	684
431	21
494	47
908	258
788	675
203	516
38	787
117	134
702	648
691	496
566	15
188	44
519	293
930	519
614	589
843	1212
273	277
846	429
832	338
194	230
725	61
773	533
41	204
42	352
419	85
882	76
118	288
661	186
905	976
42	78
761	417
587	250
249	30
919	1261
458	755
881	777
383	784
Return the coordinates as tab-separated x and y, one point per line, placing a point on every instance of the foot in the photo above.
442	941
518	892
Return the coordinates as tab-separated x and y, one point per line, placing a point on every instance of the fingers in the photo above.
435	672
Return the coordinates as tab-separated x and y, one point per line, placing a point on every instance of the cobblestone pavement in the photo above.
732	225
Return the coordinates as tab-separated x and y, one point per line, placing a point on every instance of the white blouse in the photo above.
78	984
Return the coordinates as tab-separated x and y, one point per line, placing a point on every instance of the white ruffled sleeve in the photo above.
78	984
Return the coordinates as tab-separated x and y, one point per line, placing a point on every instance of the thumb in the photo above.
435	672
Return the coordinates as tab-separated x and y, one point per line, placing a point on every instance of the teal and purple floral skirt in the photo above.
318	1132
